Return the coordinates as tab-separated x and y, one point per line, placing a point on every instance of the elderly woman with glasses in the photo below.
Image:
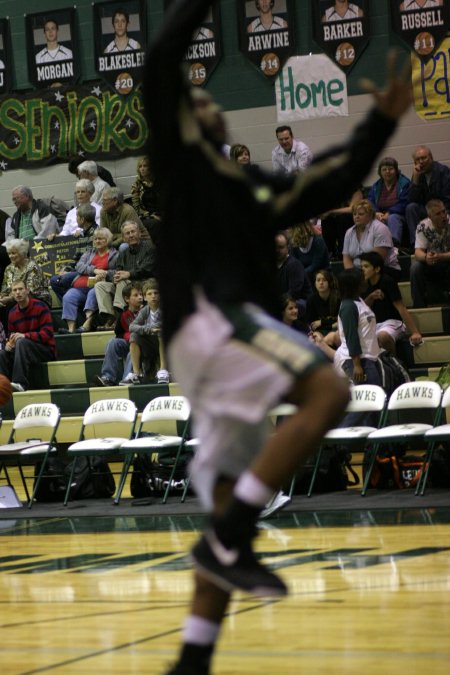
21	268
97	264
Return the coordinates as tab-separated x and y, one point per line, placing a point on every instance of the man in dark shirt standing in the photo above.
232	360
31	339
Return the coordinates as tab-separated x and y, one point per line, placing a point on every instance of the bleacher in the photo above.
69	381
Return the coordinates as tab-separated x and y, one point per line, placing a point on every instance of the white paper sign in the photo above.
310	86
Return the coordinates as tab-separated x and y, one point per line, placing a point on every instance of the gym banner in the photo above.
310	87
341	29
120	43
52	125
266	33
5	57
422	24
432	84
52	256
205	50
53	57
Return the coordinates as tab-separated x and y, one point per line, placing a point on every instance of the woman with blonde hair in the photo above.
309	247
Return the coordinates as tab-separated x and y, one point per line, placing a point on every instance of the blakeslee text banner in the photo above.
53	256
51	125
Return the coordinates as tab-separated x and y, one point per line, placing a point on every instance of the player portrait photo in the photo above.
341	29
120	43
52	47
266	34
422	24
5	61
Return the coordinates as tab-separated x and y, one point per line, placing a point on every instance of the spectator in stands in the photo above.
240	154
144	198
30	337
310	248
291	276
103	173
21	268
290	155
358	351
289	314
383	296
135	263
4	260
32	220
115	213
389	195
336	222
88	169
118	348
146	349
97	264
84	189
62	281
369	234
430	180
322	306
432	253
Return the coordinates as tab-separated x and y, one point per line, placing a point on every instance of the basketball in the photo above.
5	390
424	43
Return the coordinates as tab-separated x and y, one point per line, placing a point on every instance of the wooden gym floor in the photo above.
370	593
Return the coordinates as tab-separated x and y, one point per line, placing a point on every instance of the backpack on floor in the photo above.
151	475
86	484
335	473
392	372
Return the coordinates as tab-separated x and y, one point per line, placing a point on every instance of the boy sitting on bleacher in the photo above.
118	347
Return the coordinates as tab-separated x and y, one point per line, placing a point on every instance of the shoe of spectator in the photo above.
162	376
131	378
63	331
104	382
15	386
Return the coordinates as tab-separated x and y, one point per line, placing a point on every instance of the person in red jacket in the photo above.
31	338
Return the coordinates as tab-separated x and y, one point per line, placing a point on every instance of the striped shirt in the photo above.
34	321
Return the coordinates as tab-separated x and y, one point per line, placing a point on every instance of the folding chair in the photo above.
364	398
413	397
33	419
438	434
113	411
173	409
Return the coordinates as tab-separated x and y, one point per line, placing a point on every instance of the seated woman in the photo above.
389	195
289	314
310	248
84	189
322	306
21	268
97	264
240	154
144	197
369	234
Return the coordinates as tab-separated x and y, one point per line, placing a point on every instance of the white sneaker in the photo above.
15	386
278	502
131	378
162	376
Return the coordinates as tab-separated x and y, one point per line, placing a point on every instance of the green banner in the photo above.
50	126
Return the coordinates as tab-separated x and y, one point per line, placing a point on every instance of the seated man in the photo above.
115	212
30	337
291	275
102	172
32	220
383	296
135	263
88	169
432	263
146	349
118	348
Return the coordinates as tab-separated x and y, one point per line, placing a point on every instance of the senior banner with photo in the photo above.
422	24
266	33
341	29
432	84
52	125
52	47
53	256
205	50
309	87
5	57
120	43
